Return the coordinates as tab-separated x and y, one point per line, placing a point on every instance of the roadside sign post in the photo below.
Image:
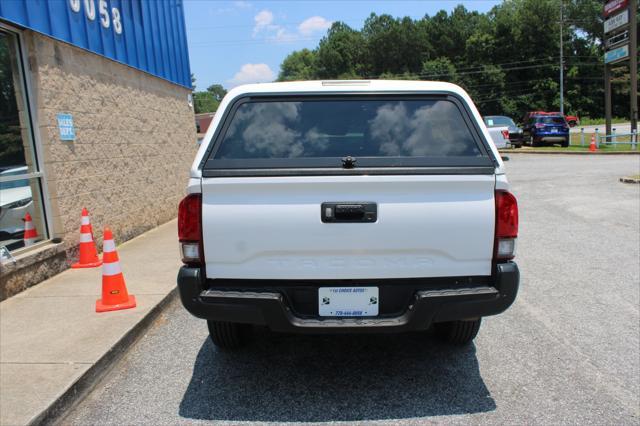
633	63
621	45
607	99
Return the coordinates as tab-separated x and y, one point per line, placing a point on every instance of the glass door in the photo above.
22	219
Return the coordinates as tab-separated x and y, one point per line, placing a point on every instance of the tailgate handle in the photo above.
349	212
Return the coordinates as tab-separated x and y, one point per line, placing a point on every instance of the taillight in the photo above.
505	134
190	228
540	125
506	225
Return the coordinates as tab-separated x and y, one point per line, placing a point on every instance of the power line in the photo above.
485	71
513	92
512	83
513	88
473	67
289	24
457	73
490	71
480	101
269	40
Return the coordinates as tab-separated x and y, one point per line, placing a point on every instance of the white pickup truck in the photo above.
347	206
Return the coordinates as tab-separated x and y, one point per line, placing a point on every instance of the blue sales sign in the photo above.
65	126
616	54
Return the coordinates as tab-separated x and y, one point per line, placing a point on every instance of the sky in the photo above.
238	42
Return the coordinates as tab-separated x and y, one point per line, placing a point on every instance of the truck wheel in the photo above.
458	332
227	335
565	143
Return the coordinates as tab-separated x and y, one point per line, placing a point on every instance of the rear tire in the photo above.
458	332
565	144
533	142
227	335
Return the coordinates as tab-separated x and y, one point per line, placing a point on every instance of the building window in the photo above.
20	176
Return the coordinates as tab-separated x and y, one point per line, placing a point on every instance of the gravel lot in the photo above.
566	352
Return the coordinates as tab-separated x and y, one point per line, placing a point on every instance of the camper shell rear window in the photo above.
345	134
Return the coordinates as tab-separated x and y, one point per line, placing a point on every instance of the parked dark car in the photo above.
515	132
572	120
544	129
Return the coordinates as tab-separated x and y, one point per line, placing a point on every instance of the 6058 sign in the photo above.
107	17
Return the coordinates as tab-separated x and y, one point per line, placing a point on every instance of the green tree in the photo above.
218	91
204	102
209	100
586	16
507	59
340	53
300	65
383	44
441	69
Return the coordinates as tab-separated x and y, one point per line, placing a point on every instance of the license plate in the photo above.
554	130
348	301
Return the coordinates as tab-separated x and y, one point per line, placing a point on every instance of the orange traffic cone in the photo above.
88	253
30	232
114	290
592	145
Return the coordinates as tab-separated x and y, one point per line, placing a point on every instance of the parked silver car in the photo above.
515	132
15	202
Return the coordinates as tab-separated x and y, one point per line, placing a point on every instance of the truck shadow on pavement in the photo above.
286	378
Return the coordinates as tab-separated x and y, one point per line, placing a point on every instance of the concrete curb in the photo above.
573	152
85	383
629	180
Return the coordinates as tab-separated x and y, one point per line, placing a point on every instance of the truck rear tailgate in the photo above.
271	227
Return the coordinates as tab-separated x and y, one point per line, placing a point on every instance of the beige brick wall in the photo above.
135	141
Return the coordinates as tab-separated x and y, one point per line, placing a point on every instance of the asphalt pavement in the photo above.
567	351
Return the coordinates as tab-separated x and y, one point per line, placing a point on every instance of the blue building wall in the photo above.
146	34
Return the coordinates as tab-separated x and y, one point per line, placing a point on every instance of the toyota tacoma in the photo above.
347	206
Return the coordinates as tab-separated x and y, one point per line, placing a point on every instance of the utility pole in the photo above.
633	64
607	100
561	64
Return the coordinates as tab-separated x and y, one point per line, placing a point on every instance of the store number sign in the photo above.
107	17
